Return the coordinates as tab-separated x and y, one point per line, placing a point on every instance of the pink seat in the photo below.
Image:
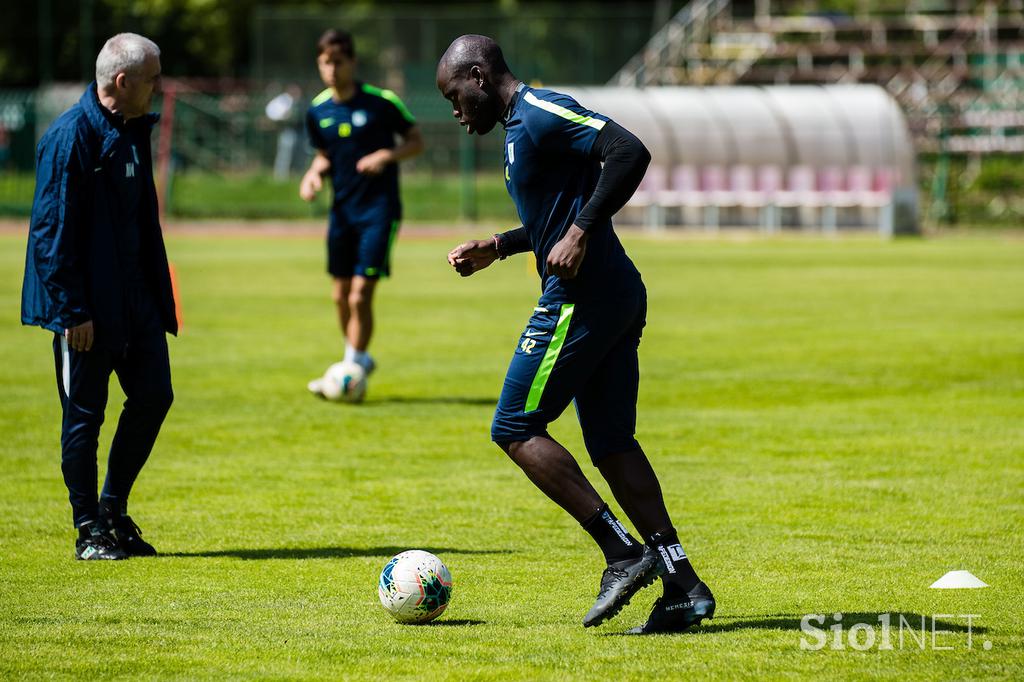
879	188
684	179
653	184
885	179
715	185
801	189
831	184
859	179
684	188
769	180
743	182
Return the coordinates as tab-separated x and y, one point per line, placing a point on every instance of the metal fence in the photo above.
222	127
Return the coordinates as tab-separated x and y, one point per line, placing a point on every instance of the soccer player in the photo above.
581	342
96	276
353	126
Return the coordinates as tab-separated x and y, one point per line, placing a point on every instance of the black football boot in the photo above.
125	531
96	543
620	581
676	614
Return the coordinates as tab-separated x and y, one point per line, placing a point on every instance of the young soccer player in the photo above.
353	127
580	344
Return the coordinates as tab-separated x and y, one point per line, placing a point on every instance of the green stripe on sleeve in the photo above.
390	96
567	114
550	357
322	97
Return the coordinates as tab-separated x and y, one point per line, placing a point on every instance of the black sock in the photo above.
679	576
112	507
611	536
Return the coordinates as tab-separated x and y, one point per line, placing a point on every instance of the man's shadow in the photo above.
454	622
911	624
431	400
324	552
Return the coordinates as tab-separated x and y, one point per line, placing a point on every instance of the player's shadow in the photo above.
455	622
911	624
324	552
431	400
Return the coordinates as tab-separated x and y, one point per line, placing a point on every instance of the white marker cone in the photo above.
957	580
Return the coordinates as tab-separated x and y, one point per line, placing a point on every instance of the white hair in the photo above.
124	53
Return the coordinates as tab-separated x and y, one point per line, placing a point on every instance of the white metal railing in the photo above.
691	25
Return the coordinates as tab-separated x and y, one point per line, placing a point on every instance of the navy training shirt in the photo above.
550	176
346	132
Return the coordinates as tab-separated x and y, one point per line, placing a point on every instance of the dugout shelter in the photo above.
832	156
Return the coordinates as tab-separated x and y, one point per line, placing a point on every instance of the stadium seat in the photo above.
769	183
708	189
649	195
715	185
836	196
743	182
684	189
870	190
801	190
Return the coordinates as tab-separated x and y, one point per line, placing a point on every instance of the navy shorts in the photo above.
584	352
360	249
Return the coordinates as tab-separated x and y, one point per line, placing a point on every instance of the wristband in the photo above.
497	247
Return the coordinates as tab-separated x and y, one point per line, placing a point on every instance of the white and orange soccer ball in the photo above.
415	587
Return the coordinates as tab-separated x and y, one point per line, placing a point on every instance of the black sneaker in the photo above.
620	581
129	537
95	543
676	614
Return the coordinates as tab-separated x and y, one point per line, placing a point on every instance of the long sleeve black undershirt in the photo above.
625	161
513	241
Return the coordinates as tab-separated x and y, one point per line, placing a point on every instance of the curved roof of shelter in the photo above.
817	126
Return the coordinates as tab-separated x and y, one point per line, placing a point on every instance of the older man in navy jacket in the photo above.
96	275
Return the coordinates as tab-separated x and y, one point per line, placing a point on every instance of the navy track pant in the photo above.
143	370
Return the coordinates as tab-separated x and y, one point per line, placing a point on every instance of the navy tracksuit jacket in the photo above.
96	252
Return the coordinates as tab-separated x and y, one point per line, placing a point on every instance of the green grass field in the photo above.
427	197
836	425
981	197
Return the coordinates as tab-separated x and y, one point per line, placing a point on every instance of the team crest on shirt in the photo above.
358	118
510	153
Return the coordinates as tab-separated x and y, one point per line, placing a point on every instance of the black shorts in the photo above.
583	352
360	249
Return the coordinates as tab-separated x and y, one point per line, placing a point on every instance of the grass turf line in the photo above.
836	425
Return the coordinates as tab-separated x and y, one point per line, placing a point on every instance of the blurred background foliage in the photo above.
229	58
57	40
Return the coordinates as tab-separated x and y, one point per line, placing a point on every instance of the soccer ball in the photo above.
415	587
344	382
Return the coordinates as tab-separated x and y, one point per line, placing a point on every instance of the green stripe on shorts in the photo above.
391	245
550	357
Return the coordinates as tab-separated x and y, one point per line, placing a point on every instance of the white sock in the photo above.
350	353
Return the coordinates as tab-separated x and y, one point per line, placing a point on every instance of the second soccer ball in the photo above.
344	382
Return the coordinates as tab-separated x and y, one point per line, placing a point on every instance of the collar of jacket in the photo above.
507	115
101	122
